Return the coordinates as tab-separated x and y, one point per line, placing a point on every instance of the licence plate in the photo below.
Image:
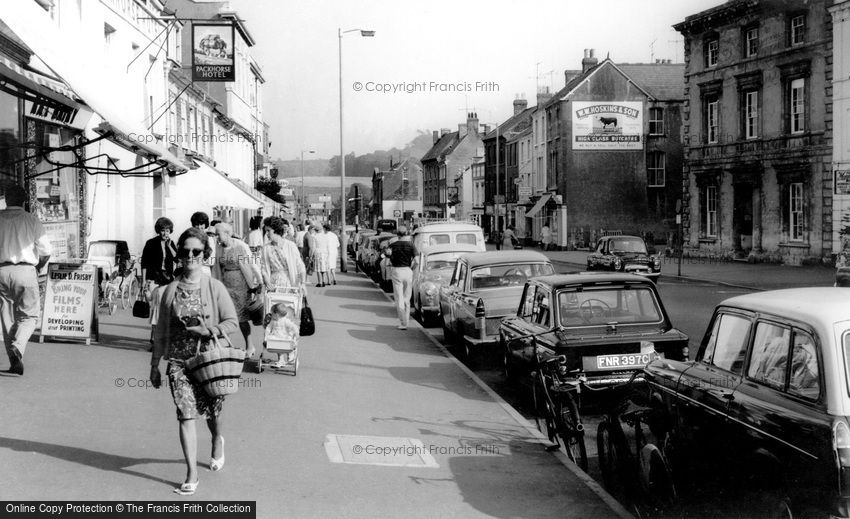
626	360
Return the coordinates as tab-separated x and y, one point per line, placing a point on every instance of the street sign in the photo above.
317	205
324	198
842	182
397	213
287	192
524	192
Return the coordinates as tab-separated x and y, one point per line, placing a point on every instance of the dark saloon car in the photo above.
766	402
624	254
606	325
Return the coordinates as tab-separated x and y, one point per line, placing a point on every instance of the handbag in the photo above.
256	308
217	370
308	325
141	308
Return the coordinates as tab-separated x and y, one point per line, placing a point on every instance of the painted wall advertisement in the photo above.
69	300
607	126
212	52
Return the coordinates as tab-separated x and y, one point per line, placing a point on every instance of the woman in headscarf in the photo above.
237	268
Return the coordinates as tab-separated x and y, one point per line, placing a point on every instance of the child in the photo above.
282	326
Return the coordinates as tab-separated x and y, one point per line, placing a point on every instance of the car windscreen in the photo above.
628	245
514	274
601	306
442	260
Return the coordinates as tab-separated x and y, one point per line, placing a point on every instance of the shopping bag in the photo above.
308	325
217	370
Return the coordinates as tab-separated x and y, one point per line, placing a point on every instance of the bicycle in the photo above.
130	286
556	409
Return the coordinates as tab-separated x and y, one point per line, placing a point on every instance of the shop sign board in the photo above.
317	205
69	302
842	181
76	117
607	125
213	52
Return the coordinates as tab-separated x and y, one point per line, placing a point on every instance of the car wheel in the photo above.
448	336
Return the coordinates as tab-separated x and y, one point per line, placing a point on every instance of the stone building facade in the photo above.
758	130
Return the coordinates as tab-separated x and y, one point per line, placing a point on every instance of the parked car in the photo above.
432	268
355	241
624	254
765	404
386	225
485	287
446	233
372	260
362	246
606	325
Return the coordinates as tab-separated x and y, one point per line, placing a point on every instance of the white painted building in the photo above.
112	55
841	124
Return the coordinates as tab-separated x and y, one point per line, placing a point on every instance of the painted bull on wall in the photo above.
607	121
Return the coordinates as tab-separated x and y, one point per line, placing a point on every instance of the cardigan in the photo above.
218	308
152	259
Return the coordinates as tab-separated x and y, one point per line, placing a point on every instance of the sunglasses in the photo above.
185	253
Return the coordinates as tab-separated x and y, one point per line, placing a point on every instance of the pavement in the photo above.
378	422
737	274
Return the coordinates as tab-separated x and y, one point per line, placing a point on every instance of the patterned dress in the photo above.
191	400
234	280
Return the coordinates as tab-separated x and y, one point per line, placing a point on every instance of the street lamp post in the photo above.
344	256
403	192
301	205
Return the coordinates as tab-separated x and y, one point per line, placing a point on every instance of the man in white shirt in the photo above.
24	250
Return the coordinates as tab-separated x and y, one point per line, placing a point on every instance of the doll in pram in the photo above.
282	308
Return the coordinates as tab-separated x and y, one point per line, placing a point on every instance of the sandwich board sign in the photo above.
69	302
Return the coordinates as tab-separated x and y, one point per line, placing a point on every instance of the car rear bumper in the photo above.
488	340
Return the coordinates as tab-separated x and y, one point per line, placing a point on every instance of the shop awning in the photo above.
539	205
31	24
36	83
143	144
215	188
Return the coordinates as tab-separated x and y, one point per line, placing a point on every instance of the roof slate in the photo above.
446	142
662	81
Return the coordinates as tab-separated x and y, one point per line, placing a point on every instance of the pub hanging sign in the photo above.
213	52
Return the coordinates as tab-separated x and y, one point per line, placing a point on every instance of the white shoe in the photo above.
402	327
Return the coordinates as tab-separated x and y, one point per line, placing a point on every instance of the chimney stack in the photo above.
445	131
436	136
569	75
589	61
543	95
461	130
472	123
520	104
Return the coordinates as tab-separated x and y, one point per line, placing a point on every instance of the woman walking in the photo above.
238	270
280	263
333	252
159	257
320	255
193	308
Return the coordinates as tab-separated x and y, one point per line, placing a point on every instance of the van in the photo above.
450	232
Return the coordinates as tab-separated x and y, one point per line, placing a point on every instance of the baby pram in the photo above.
279	337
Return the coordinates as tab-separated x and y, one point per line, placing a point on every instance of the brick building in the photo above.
500	173
614	152
451	152
758	127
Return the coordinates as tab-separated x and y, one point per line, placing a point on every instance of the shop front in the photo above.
41	129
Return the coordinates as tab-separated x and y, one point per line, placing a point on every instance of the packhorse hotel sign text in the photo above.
213	52
607	126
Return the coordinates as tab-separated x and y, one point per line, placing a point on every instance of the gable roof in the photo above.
446	143
661	80
392	189
516	123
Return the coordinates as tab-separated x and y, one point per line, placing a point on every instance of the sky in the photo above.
445	58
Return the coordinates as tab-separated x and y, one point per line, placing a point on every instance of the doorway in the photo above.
742	219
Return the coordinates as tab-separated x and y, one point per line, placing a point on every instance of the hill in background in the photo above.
356	166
